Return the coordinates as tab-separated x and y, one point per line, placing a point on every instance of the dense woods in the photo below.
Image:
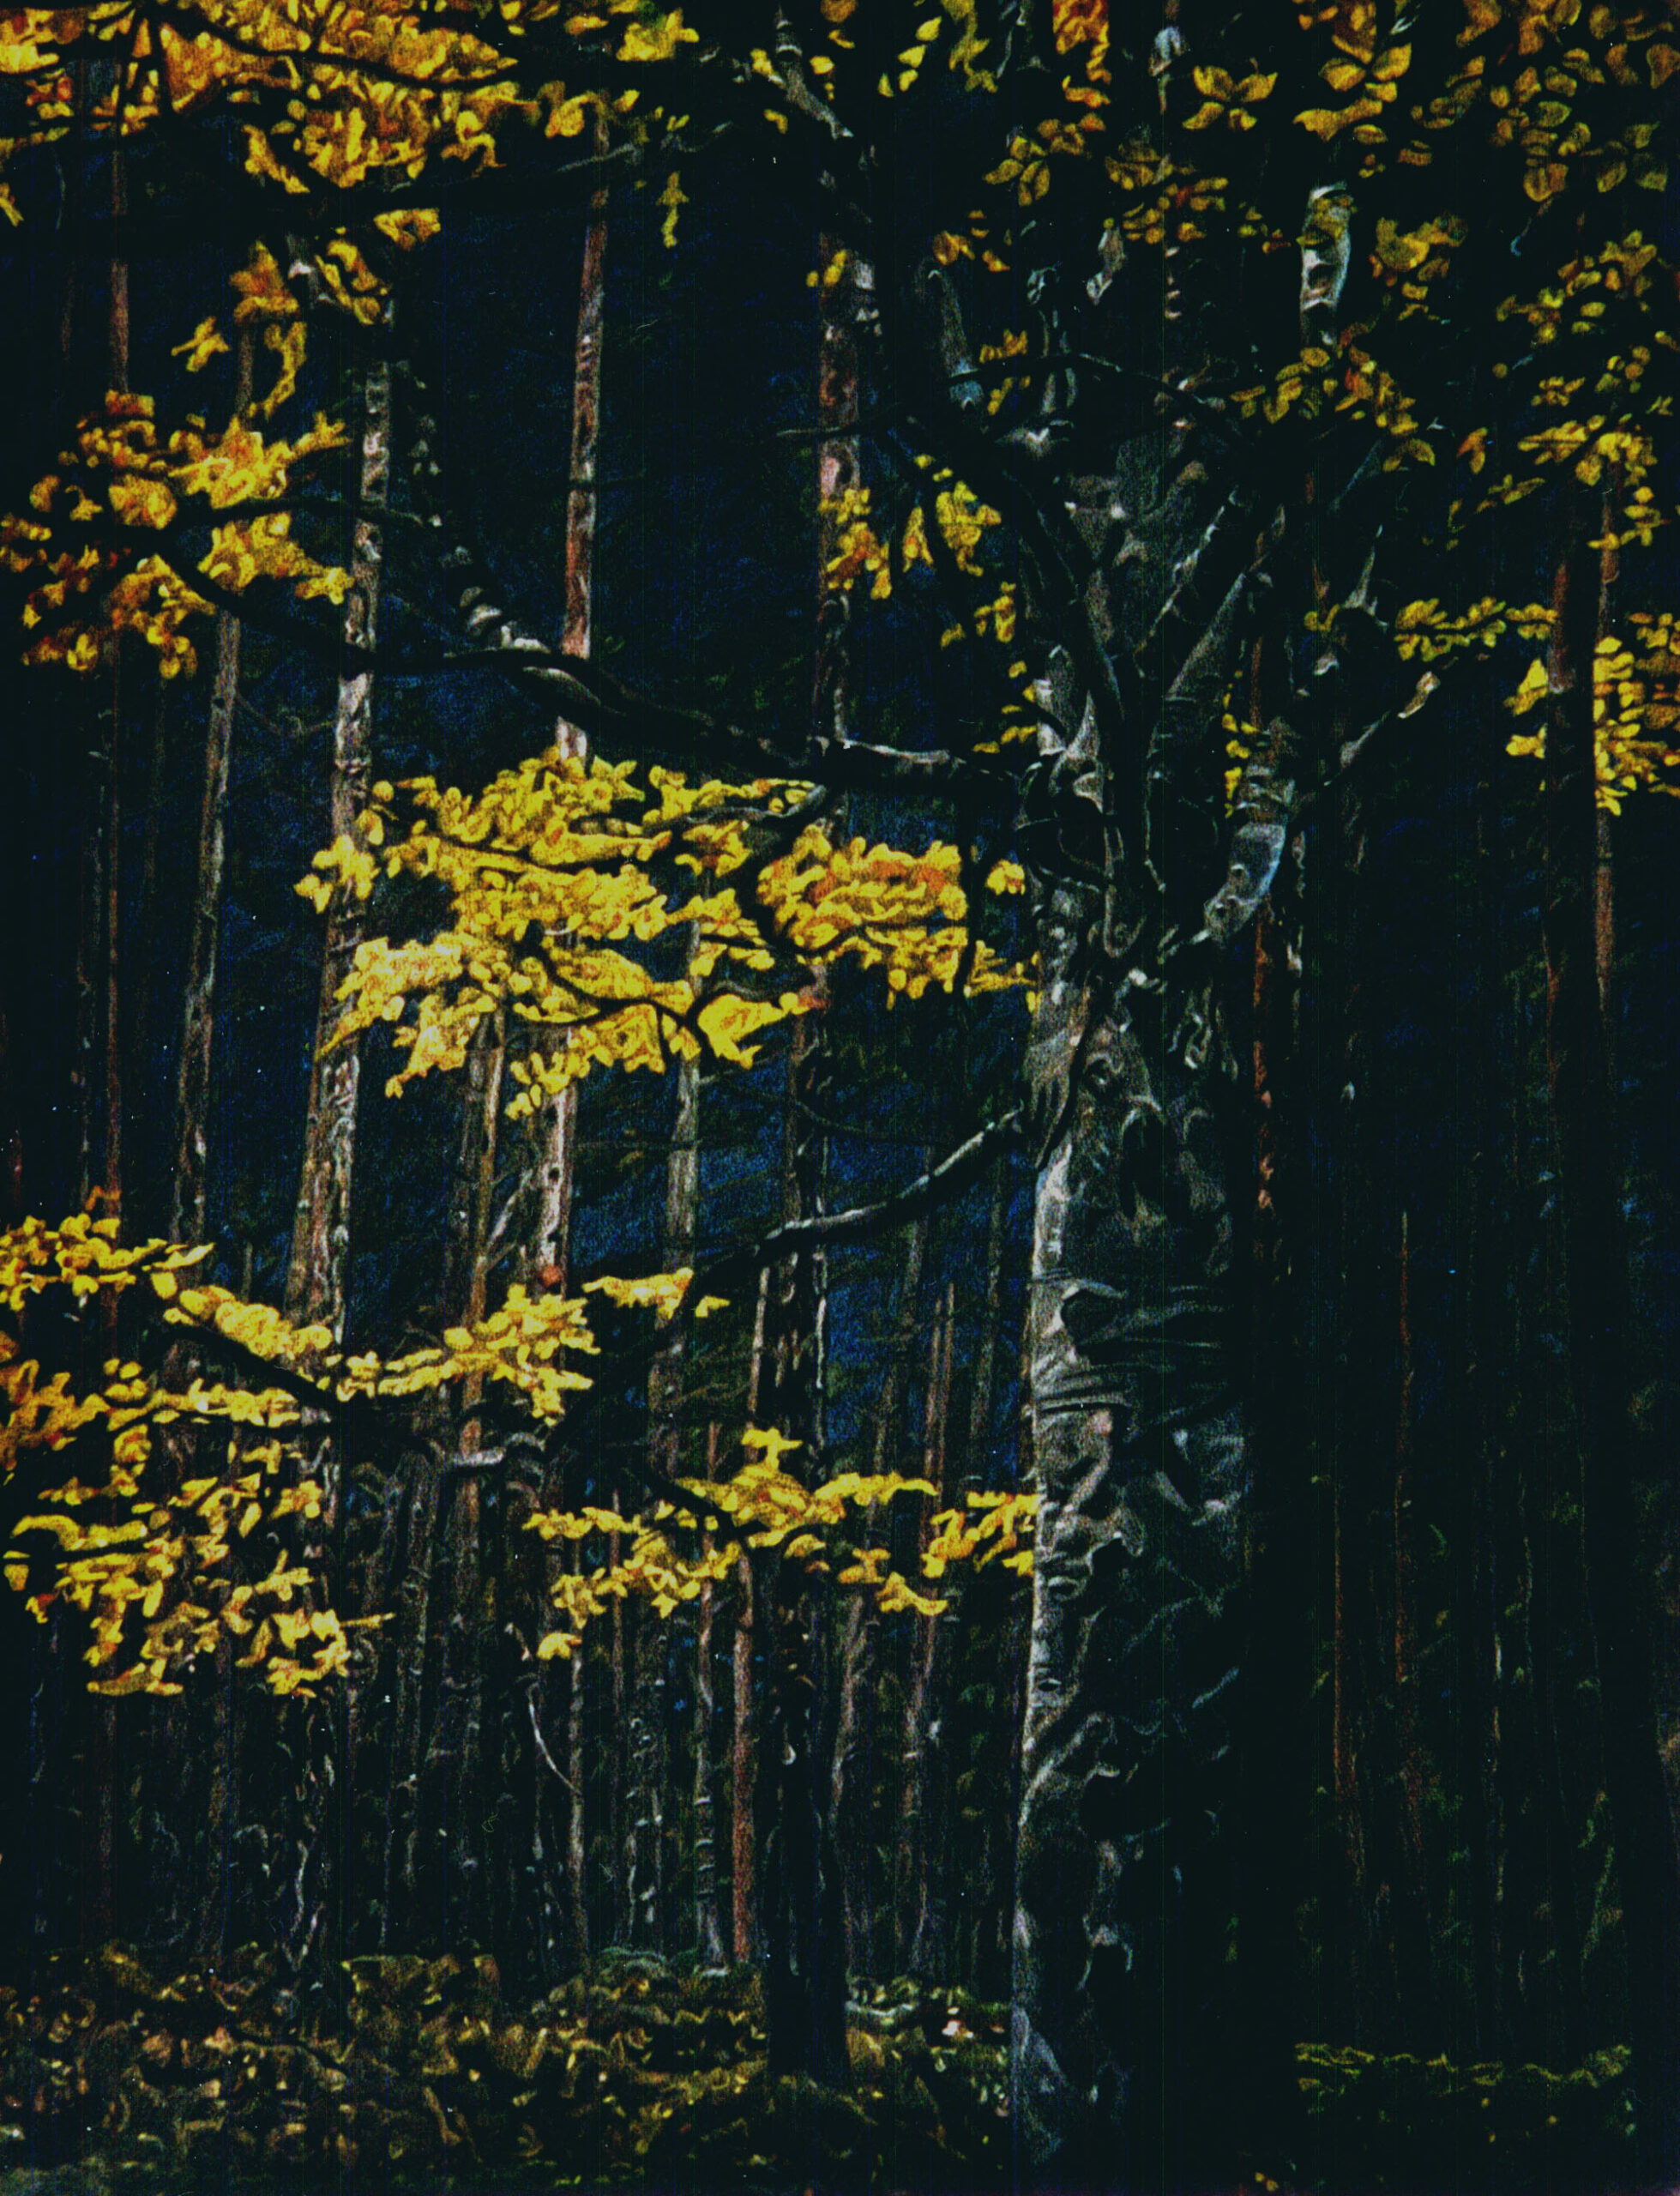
837	1281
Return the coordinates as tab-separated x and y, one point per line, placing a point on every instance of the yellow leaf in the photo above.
1532	691
201	346
138	501
132	1681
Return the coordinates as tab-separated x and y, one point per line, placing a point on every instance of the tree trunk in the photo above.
744	1846
317	1278
649	1750
850	1798
1276	1763
708	1940
994	1911
187	1218
1120	2057
644	1852
1600	1317
925	1933
577	1847
802	1911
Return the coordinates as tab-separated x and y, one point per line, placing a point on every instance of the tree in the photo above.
1196	580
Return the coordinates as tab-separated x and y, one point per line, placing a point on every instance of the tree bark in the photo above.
1120	2030
851	1799
707	1921
1600	1319
577	1846
649	1751
1276	1764
187	1218
743	1845
801	1909
925	1935
318	1276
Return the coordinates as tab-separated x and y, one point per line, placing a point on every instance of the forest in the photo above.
838	1298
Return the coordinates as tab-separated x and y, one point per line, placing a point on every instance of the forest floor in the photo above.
411	2074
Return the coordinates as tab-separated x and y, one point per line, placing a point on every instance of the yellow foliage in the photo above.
558	876
1636	710
766	1508
157	1572
150	484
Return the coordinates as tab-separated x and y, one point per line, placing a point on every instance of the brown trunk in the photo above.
119	277
1600	1316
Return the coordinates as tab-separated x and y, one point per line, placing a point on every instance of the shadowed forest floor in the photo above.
413	2073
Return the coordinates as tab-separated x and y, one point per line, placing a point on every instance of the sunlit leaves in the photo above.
675	1550
125	479
1228	99
163	1572
1424	631
563	882
1636	710
1376	84
83	1254
201	346
1409	259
